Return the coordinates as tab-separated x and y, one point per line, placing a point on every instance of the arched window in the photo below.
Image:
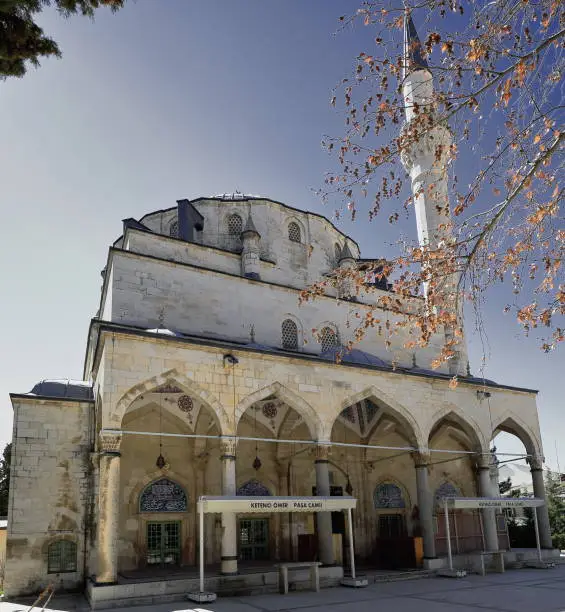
446	489
174	229
294	234
253	488
234	225
289	333
163	495
61	557
388	495
328	338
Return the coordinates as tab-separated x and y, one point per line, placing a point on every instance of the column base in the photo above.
433	563
202	597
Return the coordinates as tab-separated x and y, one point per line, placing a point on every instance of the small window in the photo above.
328	338
294	232
62	557
174	229
289	333
235	225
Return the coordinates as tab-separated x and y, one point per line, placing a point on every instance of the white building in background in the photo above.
200	346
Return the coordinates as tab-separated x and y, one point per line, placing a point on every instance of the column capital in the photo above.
422	458
484	461
109	443
323	452
536	463
228	446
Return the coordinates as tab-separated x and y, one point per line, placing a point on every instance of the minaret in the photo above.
425	155
250	253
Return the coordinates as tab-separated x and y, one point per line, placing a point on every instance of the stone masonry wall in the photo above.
49	491
319	391
196	301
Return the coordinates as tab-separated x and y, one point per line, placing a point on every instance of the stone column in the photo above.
489	514
536	467
324	519
229	519
108	509
425	505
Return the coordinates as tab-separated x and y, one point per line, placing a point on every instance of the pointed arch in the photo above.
290	398
512	424
389	406
174	377
453	414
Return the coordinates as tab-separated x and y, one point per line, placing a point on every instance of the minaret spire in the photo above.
413	53
425	155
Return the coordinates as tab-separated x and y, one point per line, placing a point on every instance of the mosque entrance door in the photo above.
254	539
163	543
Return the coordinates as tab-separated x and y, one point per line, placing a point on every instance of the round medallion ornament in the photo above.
270	410
185	403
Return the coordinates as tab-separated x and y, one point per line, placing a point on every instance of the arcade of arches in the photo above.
150	484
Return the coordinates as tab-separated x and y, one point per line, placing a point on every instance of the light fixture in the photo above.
256	462
161	461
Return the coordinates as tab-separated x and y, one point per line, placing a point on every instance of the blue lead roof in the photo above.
413	53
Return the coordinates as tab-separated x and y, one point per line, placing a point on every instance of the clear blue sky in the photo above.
166	100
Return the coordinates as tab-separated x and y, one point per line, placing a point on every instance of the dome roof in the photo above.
64	388
162	331
353	356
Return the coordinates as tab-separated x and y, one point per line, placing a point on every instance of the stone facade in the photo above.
51	491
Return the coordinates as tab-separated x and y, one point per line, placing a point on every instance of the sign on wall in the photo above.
275	504
491	502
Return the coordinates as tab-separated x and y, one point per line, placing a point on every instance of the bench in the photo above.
313	566
498	557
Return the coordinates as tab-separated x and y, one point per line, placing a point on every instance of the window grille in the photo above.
61	557
235	225
328	338
289	333
294	232
174	229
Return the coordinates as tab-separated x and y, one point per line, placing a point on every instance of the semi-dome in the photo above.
65	388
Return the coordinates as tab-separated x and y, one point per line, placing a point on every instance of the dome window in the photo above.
289	334
174	229
328	338
294	234
234	225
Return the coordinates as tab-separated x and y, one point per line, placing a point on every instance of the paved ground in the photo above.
515	591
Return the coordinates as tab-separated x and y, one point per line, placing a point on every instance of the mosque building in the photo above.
204	375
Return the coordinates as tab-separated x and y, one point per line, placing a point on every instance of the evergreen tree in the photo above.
22	40
5	479
505	486
555	493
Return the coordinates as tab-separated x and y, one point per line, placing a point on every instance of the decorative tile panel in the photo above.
163	495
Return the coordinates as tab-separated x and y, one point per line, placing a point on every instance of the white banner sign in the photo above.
491	502
275	504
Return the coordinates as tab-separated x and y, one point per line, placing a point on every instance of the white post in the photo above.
537	533
201	527
448	532
351	549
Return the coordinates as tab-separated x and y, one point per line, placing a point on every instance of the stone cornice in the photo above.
194	341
